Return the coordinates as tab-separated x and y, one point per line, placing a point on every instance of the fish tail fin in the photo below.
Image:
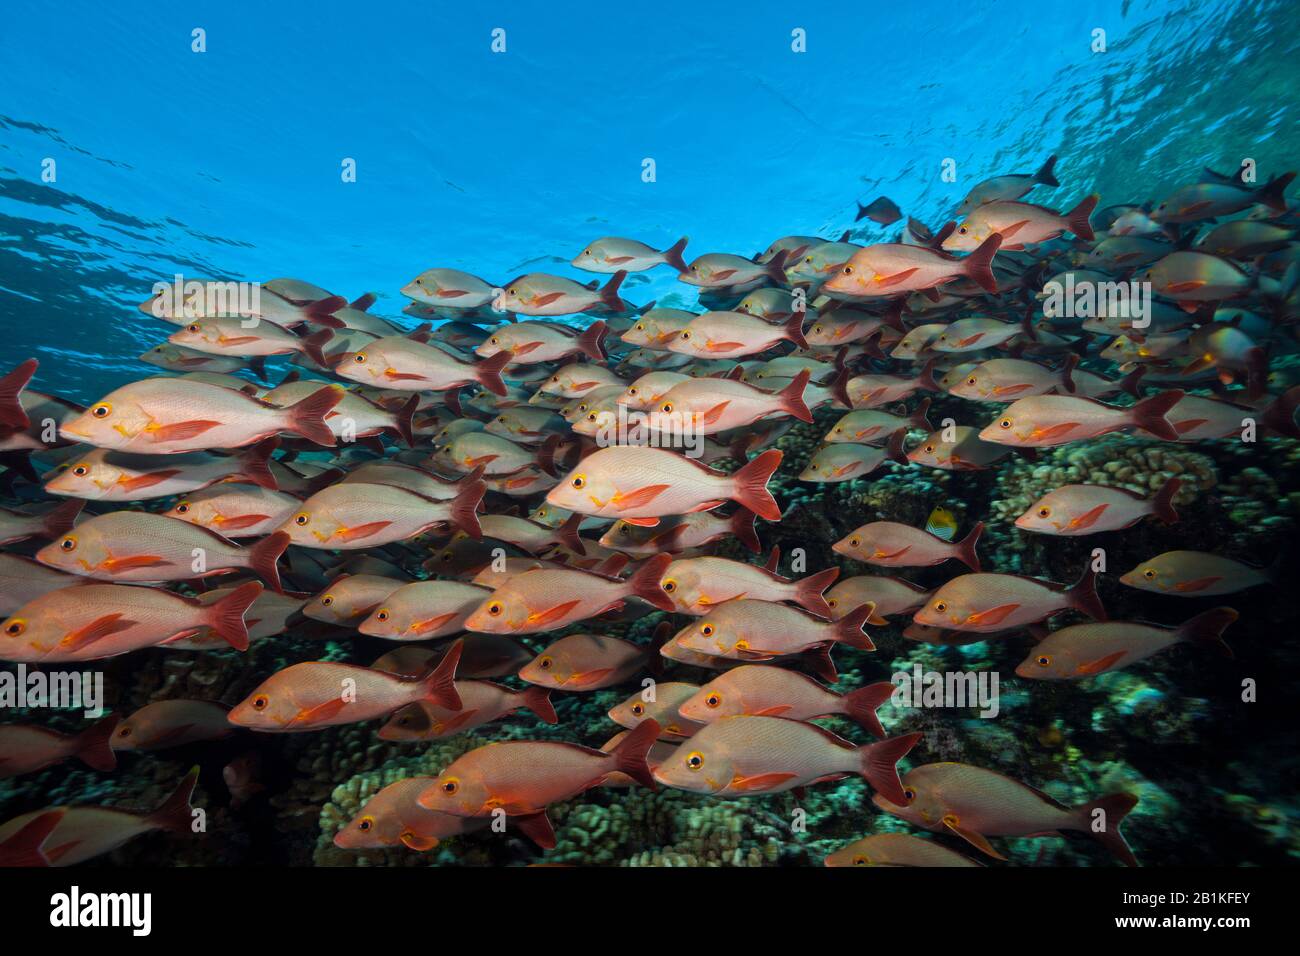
1046	176
1162	504
840	388
322	312
364	301
25	848
644	582
861	706
979	264
404	420
893	316
749	485
94	746
1149	414
592	341
880	765
176	814
630	752
792	396
488	372
794	329
966	548
538	700
673	254
775	270
1132	382
1280	414
609	293
255	464
920	418
1083	595
568	533
742	526
925	378
819	662
1113	809
808	591
307	417
59	521
1271	194
894	447
314	346
463	510
262	558
11	387
227	615
439	685
849	628
1079	219
1206	629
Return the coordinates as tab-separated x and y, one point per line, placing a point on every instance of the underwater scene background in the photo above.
226	163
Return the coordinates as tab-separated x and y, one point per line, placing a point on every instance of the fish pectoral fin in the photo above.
180	430
588	677
240	521
147	481
776	710
526	348
1055	431
546	299
714	413
759	782
994	615
99	628
134	562
552	614
1197	584
362	531
1088	518
977	840
1100	664
1006	232
1187	286
432	623
321	712
712	346
417	842
894	279
639	498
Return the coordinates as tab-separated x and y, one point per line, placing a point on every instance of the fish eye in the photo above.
1149	574
102	410
713	700
1043	660
301	518
707	630
909	793
686	335
670	585
495	609
382	614
260	702
579	481
124	732
929	449
493	340
327	600
545	663
450	786
695	760
971	380
15	627
366	824
1005	423
591	417
855	542
859	861
183	508
640	326
69	543
512	291
1044	511
666	408
940	606
638	709
81	471
962	230
359	358
631	390
848	270
194	327
807	258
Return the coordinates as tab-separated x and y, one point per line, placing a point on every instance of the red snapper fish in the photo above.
1043	421
641	485
890	268
745	756
166	416
358	515
540	294
404	364
27	748
1073	510
612	254
985	602
891	544
393	818
1021	224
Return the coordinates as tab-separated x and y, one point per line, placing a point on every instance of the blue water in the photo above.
227	163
